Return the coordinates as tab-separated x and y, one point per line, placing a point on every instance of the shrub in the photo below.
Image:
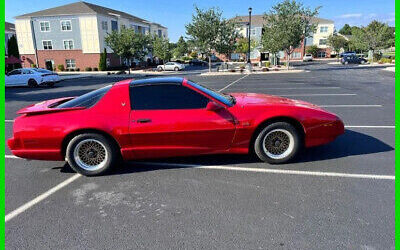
33	65
60	67
77	69
71	69
267	64
95	69
103	60
88	69
385	60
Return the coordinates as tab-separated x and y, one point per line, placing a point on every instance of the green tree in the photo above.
103	60
128	44
313	50
346	30
375	36
210	33
181	48
162	49
12	49
287	24
336	42
242	45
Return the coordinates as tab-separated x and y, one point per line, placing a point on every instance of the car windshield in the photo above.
87	100
224	98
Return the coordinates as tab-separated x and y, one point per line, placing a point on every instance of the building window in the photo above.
159	33
123	26
108	63
104	25
114	25
253	32
322	41
45	26
323	29
295	55
70	63
68	44
47	45
66	25
321	54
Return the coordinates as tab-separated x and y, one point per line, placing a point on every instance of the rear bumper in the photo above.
324	133
17	149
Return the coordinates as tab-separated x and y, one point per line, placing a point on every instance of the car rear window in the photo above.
87	100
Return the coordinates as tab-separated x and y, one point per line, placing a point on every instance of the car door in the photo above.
169	66
13	78
172	120
26	75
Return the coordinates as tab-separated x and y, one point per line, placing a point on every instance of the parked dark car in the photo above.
353	59
347	53
197	62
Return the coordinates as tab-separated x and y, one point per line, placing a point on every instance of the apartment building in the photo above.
9	32
325	28
73	35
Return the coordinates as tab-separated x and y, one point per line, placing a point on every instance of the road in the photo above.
336	196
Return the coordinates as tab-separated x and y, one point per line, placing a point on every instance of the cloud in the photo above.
351	15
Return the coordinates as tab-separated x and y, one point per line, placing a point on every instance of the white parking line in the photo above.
278	171
41	197
351	126
227	86
279	88
320	95
351	106
9	120
12	157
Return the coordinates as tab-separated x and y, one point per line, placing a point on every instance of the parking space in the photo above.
340	195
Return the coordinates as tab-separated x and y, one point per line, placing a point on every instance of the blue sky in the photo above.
175	14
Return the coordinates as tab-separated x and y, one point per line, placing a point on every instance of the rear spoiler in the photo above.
47	107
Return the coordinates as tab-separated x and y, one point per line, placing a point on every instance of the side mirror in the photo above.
213	106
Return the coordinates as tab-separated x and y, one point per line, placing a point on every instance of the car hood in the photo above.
246	99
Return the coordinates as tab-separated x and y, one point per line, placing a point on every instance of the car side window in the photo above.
15	72
165	96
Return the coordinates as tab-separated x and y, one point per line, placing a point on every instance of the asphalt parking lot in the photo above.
340	195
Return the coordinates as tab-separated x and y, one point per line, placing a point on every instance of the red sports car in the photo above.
166	117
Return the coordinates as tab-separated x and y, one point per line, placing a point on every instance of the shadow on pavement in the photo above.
349	144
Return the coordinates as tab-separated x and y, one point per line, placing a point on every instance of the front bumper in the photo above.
324	133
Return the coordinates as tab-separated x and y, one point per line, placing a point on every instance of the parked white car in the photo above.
31	77
307	58
171	66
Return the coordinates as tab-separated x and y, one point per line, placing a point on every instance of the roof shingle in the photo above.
81	8
258	20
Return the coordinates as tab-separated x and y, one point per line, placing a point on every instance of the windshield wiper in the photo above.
233	99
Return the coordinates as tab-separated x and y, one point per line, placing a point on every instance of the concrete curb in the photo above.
254	73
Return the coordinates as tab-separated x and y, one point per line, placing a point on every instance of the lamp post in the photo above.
248	49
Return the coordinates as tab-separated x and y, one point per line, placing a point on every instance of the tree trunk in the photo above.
288	61
209	63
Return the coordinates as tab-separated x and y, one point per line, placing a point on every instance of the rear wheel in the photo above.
91	154
50	84
277	143
176	69
32	83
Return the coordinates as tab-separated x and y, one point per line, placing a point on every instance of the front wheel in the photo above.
91	154
277	143
32	83
176	69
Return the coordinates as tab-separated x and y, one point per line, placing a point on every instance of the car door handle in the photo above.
143	120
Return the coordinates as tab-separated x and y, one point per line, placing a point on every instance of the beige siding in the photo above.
318	35
24	34
89	34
